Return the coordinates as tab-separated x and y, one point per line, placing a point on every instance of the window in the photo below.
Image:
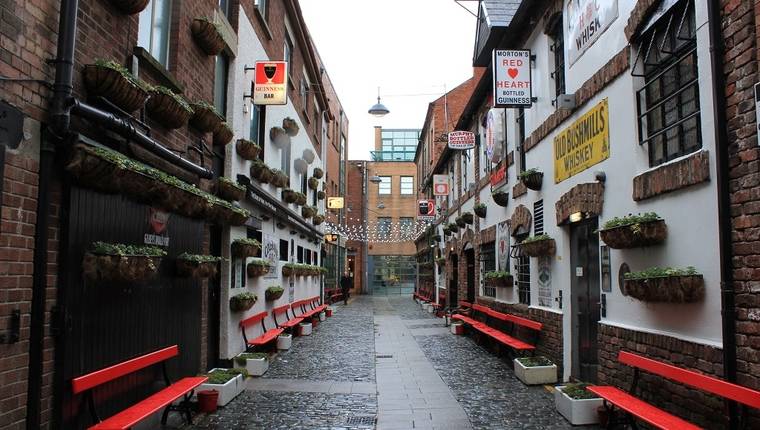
488	264
287	55
383	226
407	185
668	102
261	6
299	254
558	49
220	83
224	5
254	234
406	227
283	250
153	31
521	140
522	277
303	91
307	257
384	187
257	132
285	159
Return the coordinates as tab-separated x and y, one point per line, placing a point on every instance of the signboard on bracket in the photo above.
461	140
440	185
427	210
335	202
512	78
270	84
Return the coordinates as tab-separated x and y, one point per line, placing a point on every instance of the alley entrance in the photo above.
585	307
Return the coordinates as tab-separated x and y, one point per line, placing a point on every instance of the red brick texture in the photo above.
689	171
639	13
587	198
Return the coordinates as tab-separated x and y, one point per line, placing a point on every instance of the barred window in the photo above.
488	262
521	273
557	48
668	102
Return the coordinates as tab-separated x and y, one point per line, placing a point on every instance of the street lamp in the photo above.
376	179
378	109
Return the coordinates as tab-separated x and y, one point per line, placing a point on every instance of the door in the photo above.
453	288
213	306
585	307
469	255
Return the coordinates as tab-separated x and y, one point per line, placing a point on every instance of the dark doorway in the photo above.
212	311
453	281
469	255
585	308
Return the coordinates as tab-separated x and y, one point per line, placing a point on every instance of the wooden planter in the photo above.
247	150
289	196
468	218
313	183
238	304
300	199
668	289
481	211
261	173
501	198
229	192
243	250
533	180
130	7
195	269
119	268
290	126
635	235
204	118
102	81
256	270
501	282
207	36
318	219
223	134
166	110
318	173
307	212
272	294
539	248
280	180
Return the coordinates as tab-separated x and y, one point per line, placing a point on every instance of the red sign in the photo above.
499	175
158	220
427	210
270	83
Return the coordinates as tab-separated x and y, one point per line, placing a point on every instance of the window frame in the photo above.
260	113
382	183
150	11
225	61
411	190
557	48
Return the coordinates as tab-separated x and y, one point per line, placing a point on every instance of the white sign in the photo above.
270	84
511	78
502	245
270	251
440	185
461	140
335	203
490	141
586	21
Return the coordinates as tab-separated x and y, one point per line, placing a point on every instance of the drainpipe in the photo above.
728	314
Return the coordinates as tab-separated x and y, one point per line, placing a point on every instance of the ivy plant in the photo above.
631	220
537	238
661	272
103	248
198	258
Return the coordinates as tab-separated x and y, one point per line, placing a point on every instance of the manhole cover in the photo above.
366	420
384	356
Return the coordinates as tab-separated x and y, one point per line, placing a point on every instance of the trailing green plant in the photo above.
123	71
578	391
222	376
274	292
497	274
202	104
103	248
480	206
537	238
231	183
528	172
240	359
631	220
242	301
535	361
247	242
178	98
661	272
259	262
196	258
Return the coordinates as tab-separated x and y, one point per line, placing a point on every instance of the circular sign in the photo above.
441	189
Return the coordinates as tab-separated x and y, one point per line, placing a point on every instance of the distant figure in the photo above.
345	285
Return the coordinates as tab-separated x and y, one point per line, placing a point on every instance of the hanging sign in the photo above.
499	175
586	21
511	78
461	140
335	202
440	185
270	84
427	210
584	143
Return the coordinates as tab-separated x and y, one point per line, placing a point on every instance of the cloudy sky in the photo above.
406	47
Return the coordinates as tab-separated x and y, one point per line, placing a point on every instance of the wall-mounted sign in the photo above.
499	175
270	251
158	221
511	78
502	245
586	21
490	141
270	85
461	140
584	143
426	210
440	185
331	237
335	202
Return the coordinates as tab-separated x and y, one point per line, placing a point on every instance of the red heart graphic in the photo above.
512	73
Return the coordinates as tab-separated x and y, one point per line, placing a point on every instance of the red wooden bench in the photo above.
635	408
313	304
334	294
138	412
266	335
289	323
441	303
514	322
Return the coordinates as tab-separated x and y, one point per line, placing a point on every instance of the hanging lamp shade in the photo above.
378	109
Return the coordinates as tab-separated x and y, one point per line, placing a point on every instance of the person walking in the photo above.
345	285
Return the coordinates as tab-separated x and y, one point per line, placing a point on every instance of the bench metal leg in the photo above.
184	407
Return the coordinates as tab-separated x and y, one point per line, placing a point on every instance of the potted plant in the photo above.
205	117
207	35
480	210
318	219
467	217
197	266
537	246
288	195
229	190
254	363
441	261
280	179
261	172
308	211
499	278
115	83
247	149
634	231
501	198
247	247
168	108
121	263
446	231
318	173
577	404
290	126
258	267
289	269
279	137
453	227
670	285
532	178
223	134
320	195
535	370
313	183
130	7
228	382
273	293
242	302
460	222
301	199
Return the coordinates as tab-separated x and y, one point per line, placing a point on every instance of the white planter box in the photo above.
227	391
457	328
305	329
537	375
254	367
578	412
284	341
430	308
322	316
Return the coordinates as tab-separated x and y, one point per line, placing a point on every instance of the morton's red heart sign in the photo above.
511	78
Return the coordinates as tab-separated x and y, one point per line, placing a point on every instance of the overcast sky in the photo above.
402	46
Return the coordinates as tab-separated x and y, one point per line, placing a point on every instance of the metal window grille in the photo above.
488	261
538	217
558	48
668	102
521	274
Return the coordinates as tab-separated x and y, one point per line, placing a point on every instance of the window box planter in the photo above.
318	173
289	269
197	266
480	210
169	109
229	190
223	134
243	248
300	199
242	302
280	179
121	263
288	195
279	137
247	149
290	126
258	267
313	183
284	341
130	7
532	179
578	411
113	82
273	293
320	195
665	285
228	382
634	231
254	363
318	219
453	227
205	117
501	198
207	35
304	329
468	218
308	212
538	246
535	370
261	172
460	222
499	279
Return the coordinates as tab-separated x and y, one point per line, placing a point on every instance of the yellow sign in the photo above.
335	203
585	143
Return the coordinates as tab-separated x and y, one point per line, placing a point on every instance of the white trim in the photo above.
664	333
544	308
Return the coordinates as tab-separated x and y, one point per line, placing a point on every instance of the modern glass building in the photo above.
392	274
397	145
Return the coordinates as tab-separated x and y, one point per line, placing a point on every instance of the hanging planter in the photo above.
318	173
467	218
499	279
116	262
290	126
261	172
538	246
532	178
446	231
242	302
441	261
273	293
288	196
667	285
313	183
453	227
301	166
207	35
196	266
115	83
308	155
223	134
501	198
318	219
279	137
634	231
301	199
308	212
289	269
280	179
320	195
243	248
205	117
460	222
130	7
169	109
480	210
258	267
247	149
228	189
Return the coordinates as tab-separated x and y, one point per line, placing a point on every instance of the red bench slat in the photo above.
292	322
267	337
139	411
534	325
280	309
253	319
91	380
641	409
463	304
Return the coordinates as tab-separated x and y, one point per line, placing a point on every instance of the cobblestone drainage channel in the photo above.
361	420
